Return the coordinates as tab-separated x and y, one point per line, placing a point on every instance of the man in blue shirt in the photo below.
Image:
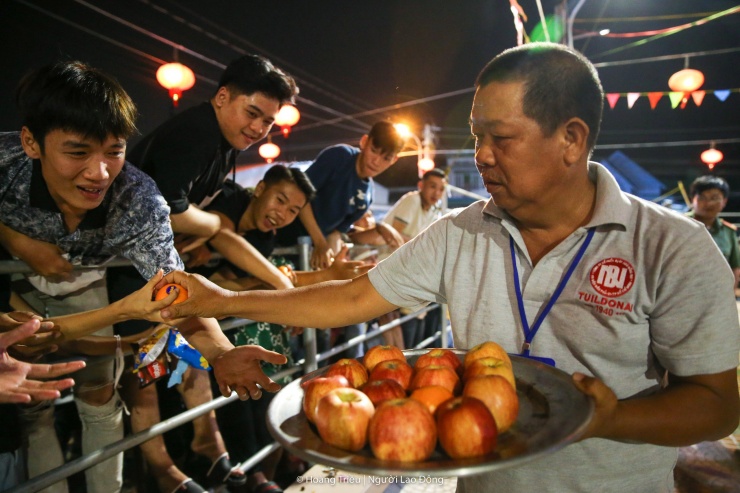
343	177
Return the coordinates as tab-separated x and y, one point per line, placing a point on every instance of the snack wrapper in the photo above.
152	357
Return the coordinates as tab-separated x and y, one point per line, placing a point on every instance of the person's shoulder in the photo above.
337	151
134	185
728	224
198	123
11	149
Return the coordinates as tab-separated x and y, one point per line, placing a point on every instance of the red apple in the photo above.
485	350
351	369
315	389
499	397
438	357
466	428
441	375
376	354
490	366
342	418
383	390
393	369
402	430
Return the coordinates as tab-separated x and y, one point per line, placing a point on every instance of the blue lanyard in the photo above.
529	333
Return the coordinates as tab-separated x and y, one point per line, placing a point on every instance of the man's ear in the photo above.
259	188
222	96
30	145
420	184
363	142
576	134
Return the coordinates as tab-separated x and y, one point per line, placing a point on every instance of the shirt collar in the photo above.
41	199
612	207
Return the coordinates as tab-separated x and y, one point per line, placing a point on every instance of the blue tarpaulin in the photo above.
632	178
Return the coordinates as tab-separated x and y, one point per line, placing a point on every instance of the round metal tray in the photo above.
552	414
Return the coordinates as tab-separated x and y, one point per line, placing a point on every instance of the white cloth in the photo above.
409	211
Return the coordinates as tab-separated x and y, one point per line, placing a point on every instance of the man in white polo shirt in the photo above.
632	299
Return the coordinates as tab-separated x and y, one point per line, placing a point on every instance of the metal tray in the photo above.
552	414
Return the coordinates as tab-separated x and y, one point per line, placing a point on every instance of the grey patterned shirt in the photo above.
132	221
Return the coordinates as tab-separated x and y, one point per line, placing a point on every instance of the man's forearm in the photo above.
205	335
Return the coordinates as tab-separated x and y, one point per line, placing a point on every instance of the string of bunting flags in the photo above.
678	99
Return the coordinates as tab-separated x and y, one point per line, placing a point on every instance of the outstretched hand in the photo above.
605	401
17	379
343	269
36	345
202	297
239	370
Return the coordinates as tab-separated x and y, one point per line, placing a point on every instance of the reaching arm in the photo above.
324	305
137	305
322	255
340	269
242	254
689	410
44	258
195	222
399	226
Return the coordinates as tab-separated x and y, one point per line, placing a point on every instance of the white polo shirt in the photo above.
409	211
651	292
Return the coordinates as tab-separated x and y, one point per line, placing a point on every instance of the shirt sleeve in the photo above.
325	165
401	210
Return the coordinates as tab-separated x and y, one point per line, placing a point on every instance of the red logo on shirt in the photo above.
612	277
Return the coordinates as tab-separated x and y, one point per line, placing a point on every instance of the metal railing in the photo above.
306	365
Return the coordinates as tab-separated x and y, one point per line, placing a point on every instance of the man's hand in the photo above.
139	305
17	384
605	401
239	370
36	345
391	237
347	269
202	296
322	256
44	258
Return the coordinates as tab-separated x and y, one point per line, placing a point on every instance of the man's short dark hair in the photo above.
438	172
279	173
74	97
709	182
253	73
559	84
385	137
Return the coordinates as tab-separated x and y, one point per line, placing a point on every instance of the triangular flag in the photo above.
676	98
698	97
654	97
612	98
631	98
722	94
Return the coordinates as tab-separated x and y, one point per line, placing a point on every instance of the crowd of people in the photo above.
556	242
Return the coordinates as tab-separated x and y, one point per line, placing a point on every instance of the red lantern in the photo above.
711	157
686	80
177	78
286	118
269	151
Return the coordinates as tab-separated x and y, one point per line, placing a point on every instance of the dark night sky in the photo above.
353	57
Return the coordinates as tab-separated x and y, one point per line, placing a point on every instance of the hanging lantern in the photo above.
686	80
269	151
286	118
425	164
711	157
177	78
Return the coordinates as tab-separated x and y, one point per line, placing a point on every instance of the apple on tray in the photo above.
351	369
315	389
393	369
438	356
376	354
499	397
441	375
383	390
466	428
342	418
402	430
488	349
490	366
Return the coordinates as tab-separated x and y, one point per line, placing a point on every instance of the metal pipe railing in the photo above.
306	365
